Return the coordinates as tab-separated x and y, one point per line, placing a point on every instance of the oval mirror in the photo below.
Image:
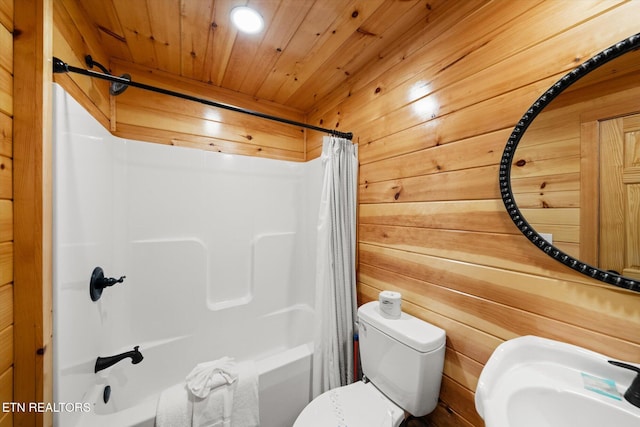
570	172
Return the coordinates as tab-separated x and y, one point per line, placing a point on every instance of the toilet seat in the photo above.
354	405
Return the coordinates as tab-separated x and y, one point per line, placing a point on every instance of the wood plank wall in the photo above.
149	116
6	208
33	211
432	117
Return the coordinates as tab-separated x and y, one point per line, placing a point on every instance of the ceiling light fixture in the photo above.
247	20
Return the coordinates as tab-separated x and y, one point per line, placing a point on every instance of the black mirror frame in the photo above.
596	61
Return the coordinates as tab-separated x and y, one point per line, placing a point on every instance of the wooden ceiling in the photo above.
307	49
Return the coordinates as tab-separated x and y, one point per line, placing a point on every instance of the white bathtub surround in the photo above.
335	267
219	255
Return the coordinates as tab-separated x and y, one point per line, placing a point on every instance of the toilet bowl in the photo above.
355	405
402	361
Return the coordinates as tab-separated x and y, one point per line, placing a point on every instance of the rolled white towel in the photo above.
208	376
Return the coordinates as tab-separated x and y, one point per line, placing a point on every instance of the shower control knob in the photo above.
98	282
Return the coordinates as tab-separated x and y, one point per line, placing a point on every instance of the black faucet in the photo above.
632	395
105	362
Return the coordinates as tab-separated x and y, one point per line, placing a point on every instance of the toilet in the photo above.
402	361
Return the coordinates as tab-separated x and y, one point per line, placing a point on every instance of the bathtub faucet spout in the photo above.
105	362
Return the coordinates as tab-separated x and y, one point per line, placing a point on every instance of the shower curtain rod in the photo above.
60	66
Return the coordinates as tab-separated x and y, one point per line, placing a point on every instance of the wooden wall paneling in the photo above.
445	53
6	92
6	209
445	47
487	216
482	150
73	39
465	287
6	14
6	305
6	220
6	178
149	116
467	184
6	49
203	90
204	143
142	100
6	395
473	295
460	75
372	79
445	416
172	121
397	132
459	400
32	127
6	135
545	295
6	263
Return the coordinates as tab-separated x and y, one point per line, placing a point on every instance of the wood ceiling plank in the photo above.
317	22
196	28
137	31
340	31
104	17
165	32
222	36
286	23
247	46
382	28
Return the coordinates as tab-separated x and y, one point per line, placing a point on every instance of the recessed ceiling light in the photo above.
247	20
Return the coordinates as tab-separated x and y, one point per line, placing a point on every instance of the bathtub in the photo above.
284	390
284	377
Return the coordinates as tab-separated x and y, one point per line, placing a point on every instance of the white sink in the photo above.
536	382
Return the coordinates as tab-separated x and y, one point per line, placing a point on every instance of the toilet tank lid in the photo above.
415	333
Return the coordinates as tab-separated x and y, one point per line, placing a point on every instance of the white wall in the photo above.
213	245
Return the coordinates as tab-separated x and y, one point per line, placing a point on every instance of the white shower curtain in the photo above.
335	267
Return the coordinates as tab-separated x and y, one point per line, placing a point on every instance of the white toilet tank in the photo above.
402	357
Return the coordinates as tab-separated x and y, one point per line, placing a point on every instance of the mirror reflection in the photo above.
575	174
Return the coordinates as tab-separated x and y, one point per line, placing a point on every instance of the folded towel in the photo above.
210	375
230	397
215	409
230	405
245	411
174	408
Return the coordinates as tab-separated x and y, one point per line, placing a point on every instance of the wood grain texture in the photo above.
6	211
431	224
32	162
